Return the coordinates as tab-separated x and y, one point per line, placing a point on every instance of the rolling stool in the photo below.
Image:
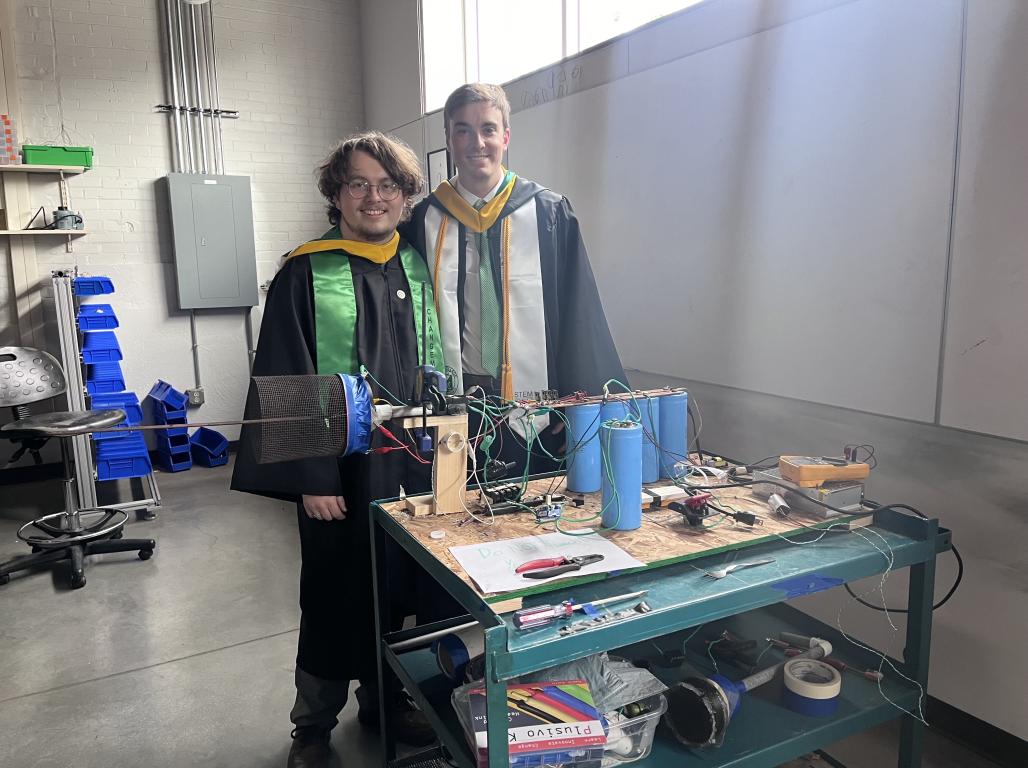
29	375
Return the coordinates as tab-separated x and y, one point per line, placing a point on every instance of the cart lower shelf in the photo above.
762	734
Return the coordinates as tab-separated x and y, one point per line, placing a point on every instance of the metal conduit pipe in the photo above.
194	41
177	157
184	71
211	54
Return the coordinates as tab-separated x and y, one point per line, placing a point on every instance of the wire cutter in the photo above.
554	566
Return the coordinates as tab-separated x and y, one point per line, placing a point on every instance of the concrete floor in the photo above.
187	659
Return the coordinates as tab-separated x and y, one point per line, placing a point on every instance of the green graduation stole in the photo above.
335	303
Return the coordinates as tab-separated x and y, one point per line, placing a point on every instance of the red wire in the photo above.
402	445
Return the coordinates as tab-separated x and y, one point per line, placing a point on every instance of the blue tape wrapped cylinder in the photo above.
621	444
650	407
673	431
583	448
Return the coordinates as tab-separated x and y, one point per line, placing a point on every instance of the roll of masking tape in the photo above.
811	687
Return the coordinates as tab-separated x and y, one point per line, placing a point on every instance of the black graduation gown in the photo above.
581	355
337	617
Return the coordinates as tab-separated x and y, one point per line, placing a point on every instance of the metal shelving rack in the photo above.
763	733
71	358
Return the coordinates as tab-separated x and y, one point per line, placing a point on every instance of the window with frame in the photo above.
496	41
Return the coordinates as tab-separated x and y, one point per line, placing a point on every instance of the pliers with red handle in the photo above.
554	566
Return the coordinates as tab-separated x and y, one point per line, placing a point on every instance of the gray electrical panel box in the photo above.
212	233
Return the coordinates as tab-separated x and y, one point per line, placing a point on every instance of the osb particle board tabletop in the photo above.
664	536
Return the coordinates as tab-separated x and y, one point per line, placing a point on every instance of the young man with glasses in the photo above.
351	298
517	300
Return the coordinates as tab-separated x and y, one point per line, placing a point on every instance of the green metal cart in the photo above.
763	733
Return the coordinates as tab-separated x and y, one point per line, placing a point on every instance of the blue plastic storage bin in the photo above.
165	415
125	456
100	347
113	437
173	462
104	378
172	399
122	444
175	442
161	416
92	286
118	467
97	317
122	401
208	447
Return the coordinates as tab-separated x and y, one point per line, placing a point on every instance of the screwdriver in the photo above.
795	644
541	615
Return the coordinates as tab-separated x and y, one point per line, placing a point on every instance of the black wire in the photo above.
946	597
695	434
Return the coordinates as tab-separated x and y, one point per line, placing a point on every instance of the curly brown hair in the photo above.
398	160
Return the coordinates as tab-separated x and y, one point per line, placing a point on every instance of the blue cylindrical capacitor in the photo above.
621	445
618	410
650	407
674	431
583	448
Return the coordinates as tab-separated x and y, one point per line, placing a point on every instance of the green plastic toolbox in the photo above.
36	154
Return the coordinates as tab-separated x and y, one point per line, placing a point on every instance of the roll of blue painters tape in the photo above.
811	687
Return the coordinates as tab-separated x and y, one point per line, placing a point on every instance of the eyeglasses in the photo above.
359	188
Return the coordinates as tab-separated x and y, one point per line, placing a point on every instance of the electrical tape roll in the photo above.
811	687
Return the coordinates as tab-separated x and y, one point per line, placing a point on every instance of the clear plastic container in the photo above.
586	756
631	738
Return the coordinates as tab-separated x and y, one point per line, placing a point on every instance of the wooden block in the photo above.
451	464
419	506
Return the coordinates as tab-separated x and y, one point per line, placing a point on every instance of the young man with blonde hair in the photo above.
517	301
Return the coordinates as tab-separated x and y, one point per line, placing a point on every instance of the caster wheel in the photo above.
117	534
36	550
145	554
78	580
5	578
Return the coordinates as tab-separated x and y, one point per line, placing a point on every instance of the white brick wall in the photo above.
292	69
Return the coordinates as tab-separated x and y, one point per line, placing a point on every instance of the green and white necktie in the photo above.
490	308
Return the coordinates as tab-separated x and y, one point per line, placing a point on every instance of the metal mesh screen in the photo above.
307	413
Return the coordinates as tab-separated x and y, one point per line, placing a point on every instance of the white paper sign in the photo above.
491	565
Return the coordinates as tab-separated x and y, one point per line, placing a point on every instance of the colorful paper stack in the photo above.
9	154
169	407
548	723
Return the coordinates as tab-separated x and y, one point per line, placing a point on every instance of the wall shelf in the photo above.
42	168
68	232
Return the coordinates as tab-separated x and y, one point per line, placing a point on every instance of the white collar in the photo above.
471	197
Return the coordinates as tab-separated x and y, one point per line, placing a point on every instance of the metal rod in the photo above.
191	425
199	89
251	353
207	115
196	347
190	166
212	76
178	158
64	304
423	640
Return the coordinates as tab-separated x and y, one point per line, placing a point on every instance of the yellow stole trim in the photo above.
378	253
465	213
